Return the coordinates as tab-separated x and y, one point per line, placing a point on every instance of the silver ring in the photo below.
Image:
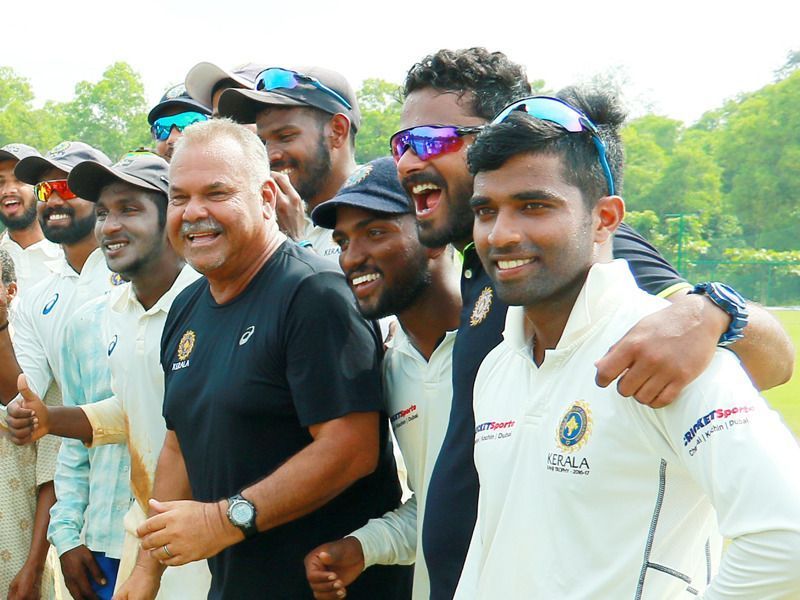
166	551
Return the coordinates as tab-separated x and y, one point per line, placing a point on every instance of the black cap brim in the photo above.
190	105
89	178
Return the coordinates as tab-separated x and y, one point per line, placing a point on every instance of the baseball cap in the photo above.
144	170
205	76
176	96
243	105
63	156
373	186
17	152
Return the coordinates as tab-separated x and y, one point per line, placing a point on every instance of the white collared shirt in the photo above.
45	308
418	398
588	494
134	414
29	263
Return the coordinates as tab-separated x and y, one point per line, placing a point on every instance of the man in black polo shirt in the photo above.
275	437
447	96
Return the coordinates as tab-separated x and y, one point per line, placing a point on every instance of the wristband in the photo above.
730	301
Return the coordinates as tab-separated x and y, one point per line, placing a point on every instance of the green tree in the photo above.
380	103
109	114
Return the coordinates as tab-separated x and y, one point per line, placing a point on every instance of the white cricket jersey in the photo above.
44	310
588	494
29	263
134	415
418	396
321	240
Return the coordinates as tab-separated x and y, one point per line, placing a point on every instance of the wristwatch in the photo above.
729	300
242	514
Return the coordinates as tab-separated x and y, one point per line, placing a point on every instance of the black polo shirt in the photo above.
452	501
245	380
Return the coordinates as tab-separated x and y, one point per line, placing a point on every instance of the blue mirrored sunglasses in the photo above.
570	118
162	127
284	79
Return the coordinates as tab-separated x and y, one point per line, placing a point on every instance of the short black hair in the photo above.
492	79
522	134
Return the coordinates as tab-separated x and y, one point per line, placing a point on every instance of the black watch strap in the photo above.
242	514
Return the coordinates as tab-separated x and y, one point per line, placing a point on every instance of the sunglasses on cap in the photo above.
162	127
570	118
44	189
284	79
428	141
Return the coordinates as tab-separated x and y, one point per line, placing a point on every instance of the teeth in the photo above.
57	217
365	278
11	202
194	236
116	246
424	187
513	264
285	171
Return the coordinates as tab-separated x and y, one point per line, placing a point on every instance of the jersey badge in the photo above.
116	279
186	345
50	304
112	344
575	427
246	335
482	307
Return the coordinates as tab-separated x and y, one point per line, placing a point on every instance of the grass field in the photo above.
786	398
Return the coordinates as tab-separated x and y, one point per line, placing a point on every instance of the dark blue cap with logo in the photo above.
64	156
144	170
374	187
176	97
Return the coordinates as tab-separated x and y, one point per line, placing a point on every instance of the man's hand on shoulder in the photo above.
331	567
664	352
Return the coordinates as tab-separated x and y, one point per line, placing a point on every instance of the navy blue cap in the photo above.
144	170
373	186
17	152
176	96
63	156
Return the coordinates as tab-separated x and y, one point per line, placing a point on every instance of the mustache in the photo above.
416	178
517	250
64	209
206	225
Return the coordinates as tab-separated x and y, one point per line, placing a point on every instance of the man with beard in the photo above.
131	205
584	493
23	238
391	273
308	118
43	311
448	97
174	112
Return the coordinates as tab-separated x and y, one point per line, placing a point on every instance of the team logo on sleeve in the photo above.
185	348
482	307
575	427
116	279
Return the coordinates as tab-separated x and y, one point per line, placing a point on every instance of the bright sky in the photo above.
681	57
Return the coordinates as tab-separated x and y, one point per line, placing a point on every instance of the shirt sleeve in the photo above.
107	419
745	459
332	361
72	496
29	351
391	539
652	272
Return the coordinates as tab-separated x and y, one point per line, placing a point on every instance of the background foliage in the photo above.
720	197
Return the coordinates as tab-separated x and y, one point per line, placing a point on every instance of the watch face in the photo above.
241	513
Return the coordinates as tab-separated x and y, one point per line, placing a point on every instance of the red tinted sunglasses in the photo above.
45	189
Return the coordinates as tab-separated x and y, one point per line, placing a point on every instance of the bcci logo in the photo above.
575	427
116	279
186	345
60	150
358	176
482	307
